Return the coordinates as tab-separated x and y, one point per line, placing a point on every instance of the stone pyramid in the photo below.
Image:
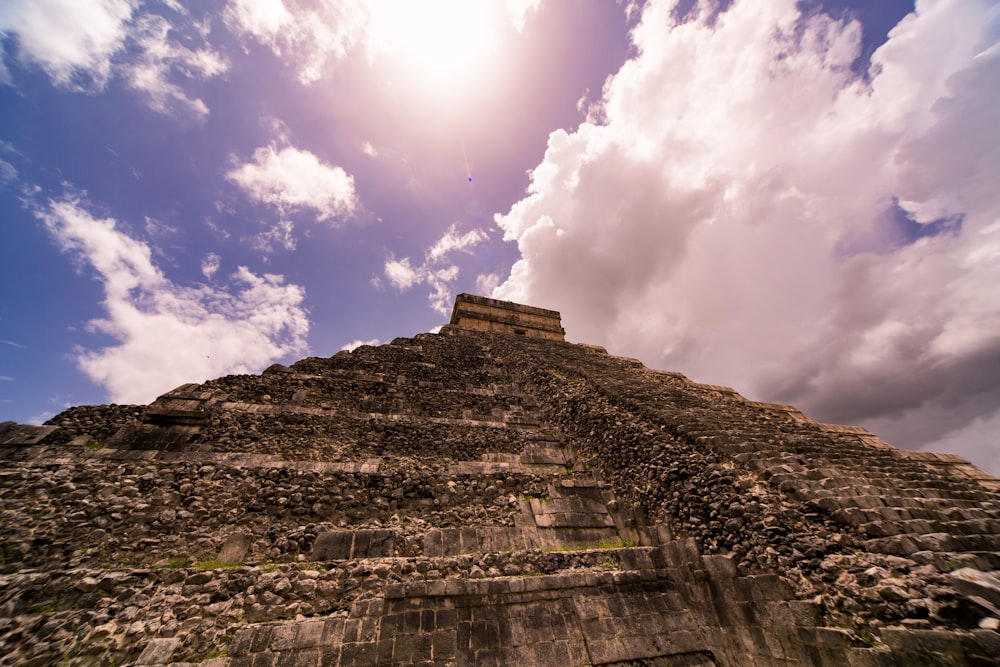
487	495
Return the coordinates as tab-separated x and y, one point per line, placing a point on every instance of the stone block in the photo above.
265	659
834	637
433	543
331	656
681	552
768	587
360	543
870	657
333	631
241	642
12	433
975	583
158	651
348	544
463	636
306	658
352	630
939	641
283	637
988	640
720	567
468	539
333	545
261	638
603	651
443	646
309	634
235	548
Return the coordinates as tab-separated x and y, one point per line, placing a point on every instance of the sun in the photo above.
444	43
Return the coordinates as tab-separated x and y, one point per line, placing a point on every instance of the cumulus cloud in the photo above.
487	282
8	174
744	208
279	235
402	275
210	265
291	179
159	57
82	44
311	34
314	35
355	344
166	333
452	241
71	40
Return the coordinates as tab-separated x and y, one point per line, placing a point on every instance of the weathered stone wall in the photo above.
492	315
476	498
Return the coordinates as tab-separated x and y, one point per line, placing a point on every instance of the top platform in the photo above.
485	314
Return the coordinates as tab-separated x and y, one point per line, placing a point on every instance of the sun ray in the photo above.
445	43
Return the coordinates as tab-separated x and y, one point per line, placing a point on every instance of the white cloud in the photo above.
265	19
730	212
210	265
169	334
8	174
452	241
355	344
311	34
290	179
519	10
487	282
82	44
41	418
314	35
159	57
73	41
403	275
281	234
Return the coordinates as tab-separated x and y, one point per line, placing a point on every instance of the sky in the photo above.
798	199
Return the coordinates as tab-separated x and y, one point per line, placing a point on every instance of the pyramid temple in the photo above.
487	495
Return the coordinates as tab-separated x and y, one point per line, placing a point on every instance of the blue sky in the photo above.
797	199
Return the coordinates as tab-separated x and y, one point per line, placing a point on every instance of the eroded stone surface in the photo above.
483	498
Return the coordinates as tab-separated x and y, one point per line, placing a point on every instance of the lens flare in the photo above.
445	43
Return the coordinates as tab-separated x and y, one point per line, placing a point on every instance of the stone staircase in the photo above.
479	499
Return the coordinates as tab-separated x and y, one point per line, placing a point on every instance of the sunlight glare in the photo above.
443	42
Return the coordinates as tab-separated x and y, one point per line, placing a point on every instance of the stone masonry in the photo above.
489	495
485	314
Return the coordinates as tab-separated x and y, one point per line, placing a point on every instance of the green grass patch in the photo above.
615	543
215	564
607	543
214	653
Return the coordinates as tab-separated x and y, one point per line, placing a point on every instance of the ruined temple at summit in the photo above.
487	495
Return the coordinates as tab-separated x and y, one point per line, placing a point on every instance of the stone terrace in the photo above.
474	498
